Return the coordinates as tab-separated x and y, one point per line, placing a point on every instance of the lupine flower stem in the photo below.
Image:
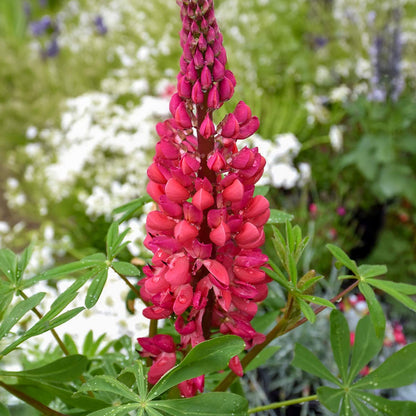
281	328
283	404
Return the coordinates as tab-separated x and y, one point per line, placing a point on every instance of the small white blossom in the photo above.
336	137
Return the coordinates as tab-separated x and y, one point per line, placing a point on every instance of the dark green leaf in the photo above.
95	289
306	361
126	269
397	371
19	311
111	385
279	217
45	392
390	288
340	342
306	310
137	370
262	357
330	398
376	311
367	271
343	258
8	264
207	404
152	412
366	346
64	369
387	407
204	358
70	344
308	280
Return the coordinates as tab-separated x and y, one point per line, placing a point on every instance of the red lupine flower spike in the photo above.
207	227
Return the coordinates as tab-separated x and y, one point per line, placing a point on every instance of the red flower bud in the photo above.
207	128
203	199
175	191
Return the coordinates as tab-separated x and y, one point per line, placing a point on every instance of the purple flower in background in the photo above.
43	3
39	27
100	26
386	55
52	49
27	9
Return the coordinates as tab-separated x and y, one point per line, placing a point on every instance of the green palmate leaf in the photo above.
366	346
114	240
6	295
277	275
340	341
397	371
306	361
137	370
293	271
8	264
126	269
207	404
346	409
262	357
290	237
206	357
121	410
24	261
3	410
94	260
19	311
43	325
343	258
279	217
385	406
111	385
393	290
62	370
96	287
131	208
306	310
330	397
367	271
70	344
376	311
318	301
308	280
150	411
361	408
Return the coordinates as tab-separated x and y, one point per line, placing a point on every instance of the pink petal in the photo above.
175	191
203	199
218	271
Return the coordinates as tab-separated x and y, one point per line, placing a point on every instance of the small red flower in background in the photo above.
207	229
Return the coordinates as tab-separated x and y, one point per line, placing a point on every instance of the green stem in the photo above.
47	411
61	344
283	404
129	284
281	328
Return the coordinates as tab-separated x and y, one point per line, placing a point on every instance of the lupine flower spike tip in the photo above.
208	228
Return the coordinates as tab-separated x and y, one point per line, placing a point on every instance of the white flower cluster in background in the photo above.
279	153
